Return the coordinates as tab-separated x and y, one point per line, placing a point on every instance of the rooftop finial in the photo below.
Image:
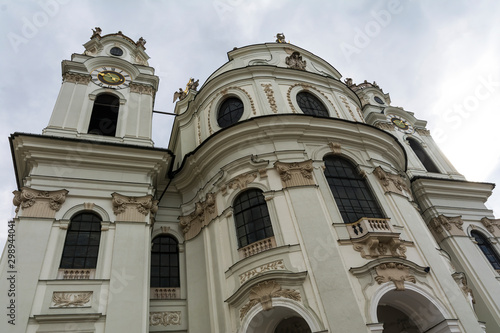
280	38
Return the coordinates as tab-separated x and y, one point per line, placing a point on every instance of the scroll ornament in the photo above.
48	202
202	215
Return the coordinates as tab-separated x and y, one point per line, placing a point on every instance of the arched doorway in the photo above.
409	311
279	319
293	325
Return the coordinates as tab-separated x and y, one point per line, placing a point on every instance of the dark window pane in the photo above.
311	105
352	195
81	246
104	115
164	262
229	112
487	249
423	156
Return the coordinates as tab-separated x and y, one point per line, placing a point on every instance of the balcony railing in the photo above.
257	247
165	293
75	274
366	225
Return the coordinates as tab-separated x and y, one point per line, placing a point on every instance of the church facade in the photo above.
288	200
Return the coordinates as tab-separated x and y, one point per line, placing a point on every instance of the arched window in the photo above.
311	105
230	112
82	242
104	115
293	325
251	217
487	249
423	156
165	262
350	190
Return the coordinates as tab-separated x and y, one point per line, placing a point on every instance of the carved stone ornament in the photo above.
335	147
491	224
241	182
142	89
71	299
36	203
393	183
295	61
444	226
203	214
280	38
165	318
395	272
271	266
385	126
422	131
96	33
348	107
270	97
461	280
76	78
133	208
264	292
296	173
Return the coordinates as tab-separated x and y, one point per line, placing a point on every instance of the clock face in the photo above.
400	123
110	77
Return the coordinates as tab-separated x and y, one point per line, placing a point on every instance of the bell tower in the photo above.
107	93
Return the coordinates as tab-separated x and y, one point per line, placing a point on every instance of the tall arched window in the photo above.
423	156
311	105
487	249
104	116
82	242
350	190
165	262
251	217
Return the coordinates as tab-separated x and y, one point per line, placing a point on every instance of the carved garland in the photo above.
306	87
39	203
264	293
270	97
165	318
272	266
346	103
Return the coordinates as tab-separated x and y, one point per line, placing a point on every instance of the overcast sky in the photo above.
438	59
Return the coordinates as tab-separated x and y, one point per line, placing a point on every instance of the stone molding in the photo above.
203	214
133	209
295	173
396	272
444	226
76	78
270	96
165	318
239	182
264	293
38	203
270	266
142	89
385	126
295	61
490	226
71	299
392	183
461	281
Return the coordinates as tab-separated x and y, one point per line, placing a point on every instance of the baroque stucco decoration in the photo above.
76	78
71	299
396	272
445	226
461	280
264	293
133	208
392	183
270	266
38	203
385	126
295	173
270	97
142	89
165	318
203	214
295	61
491	224
335	147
